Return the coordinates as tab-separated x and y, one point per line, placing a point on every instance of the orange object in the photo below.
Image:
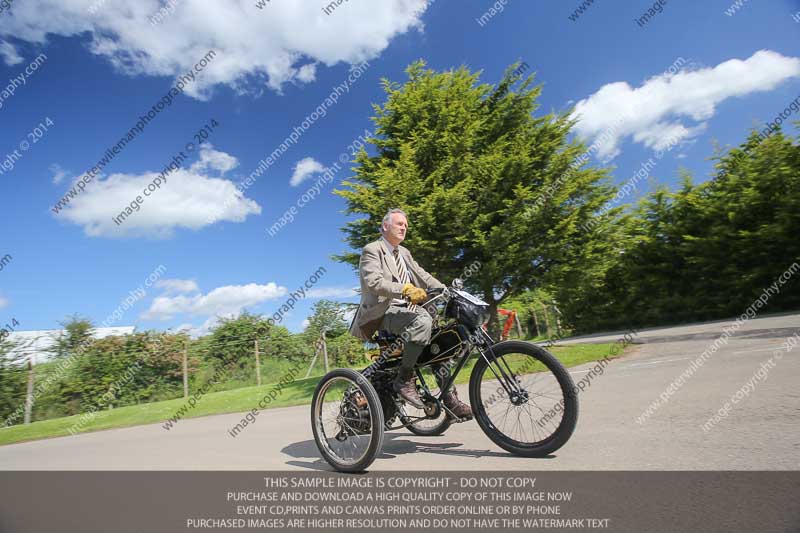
512	316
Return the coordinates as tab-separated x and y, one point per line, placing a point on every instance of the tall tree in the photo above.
704	251
482	178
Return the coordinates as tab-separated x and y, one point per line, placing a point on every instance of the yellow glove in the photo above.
414	294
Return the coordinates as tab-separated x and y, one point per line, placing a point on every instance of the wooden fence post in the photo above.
258	366
325	351
29	394
314	360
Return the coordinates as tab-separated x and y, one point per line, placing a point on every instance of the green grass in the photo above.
297	392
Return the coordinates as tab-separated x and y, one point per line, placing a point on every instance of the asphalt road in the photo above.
761	431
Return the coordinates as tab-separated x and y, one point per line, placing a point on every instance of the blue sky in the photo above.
107	66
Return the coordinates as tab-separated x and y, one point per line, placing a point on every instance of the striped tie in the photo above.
401	267
404	276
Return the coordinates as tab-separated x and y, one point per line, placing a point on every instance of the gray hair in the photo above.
387	218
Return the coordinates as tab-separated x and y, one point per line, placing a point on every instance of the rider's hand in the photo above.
414	294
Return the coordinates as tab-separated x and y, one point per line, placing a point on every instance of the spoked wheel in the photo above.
438	421
524	400
347	420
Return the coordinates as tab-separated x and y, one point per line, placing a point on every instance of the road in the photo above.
761	431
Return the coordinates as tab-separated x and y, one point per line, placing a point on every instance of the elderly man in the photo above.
392	283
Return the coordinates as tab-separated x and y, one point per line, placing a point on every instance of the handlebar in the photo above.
435	294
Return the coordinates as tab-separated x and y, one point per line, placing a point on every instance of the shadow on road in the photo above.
394	445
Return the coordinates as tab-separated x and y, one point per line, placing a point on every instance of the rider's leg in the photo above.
414	327
450	398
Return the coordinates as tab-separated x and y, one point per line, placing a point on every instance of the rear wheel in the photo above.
525	400
436	420
347	420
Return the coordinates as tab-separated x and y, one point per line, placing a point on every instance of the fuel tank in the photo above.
444	345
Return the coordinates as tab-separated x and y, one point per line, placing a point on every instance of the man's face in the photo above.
395	229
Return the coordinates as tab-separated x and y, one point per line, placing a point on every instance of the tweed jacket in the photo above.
380	283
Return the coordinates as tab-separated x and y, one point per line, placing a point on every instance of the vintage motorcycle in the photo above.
522	397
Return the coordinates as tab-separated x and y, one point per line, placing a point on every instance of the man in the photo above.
392	283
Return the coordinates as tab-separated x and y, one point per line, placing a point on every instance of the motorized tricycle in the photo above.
522	397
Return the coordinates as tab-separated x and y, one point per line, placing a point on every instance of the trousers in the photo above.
414	326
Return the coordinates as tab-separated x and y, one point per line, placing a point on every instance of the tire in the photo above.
428	427
430	431
545	407
352	382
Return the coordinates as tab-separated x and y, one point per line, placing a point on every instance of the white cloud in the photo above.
9	54
178	285
223	301
188	199
211	159
655	114
307	73
277	44
331	292
226	302
304	169
3	302
58	173
199	331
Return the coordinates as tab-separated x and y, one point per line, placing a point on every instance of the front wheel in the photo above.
347	420
523	399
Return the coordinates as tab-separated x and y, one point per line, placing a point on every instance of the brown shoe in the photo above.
408	391
456	406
